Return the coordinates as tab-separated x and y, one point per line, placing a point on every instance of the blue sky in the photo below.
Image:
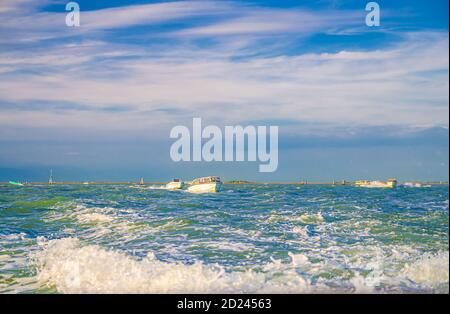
97	102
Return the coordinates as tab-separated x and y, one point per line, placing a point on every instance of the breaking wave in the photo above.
71	267
430	270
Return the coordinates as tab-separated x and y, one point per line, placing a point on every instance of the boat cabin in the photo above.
206	180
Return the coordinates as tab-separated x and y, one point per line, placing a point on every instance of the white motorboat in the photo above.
391	183
205	185
175	184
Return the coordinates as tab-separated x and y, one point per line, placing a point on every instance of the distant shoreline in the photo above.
337	183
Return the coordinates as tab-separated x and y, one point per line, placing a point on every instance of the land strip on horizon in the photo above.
225	182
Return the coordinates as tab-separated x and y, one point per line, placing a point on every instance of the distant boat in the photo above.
205	185
175	184
412	185
141	182
16	183
391	183
415	185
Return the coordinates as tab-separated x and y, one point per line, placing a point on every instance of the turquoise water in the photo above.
247	238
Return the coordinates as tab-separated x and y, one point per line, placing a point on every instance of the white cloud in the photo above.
276	21
406	85
151	13
402	85
22	22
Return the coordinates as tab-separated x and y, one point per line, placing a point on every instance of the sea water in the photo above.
245	239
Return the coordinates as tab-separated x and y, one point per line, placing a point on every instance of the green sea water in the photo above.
245	239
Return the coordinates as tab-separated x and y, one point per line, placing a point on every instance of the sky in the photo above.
97	102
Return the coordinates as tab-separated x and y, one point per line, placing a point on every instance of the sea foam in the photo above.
71	267
430	270
74	268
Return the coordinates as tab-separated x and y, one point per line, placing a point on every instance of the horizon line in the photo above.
237	182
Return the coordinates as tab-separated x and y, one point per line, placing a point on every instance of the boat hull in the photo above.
384	186
174	185
377	185
205	188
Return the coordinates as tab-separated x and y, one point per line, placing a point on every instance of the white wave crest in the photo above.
73	268
303	231
430	270
311	219
94	217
